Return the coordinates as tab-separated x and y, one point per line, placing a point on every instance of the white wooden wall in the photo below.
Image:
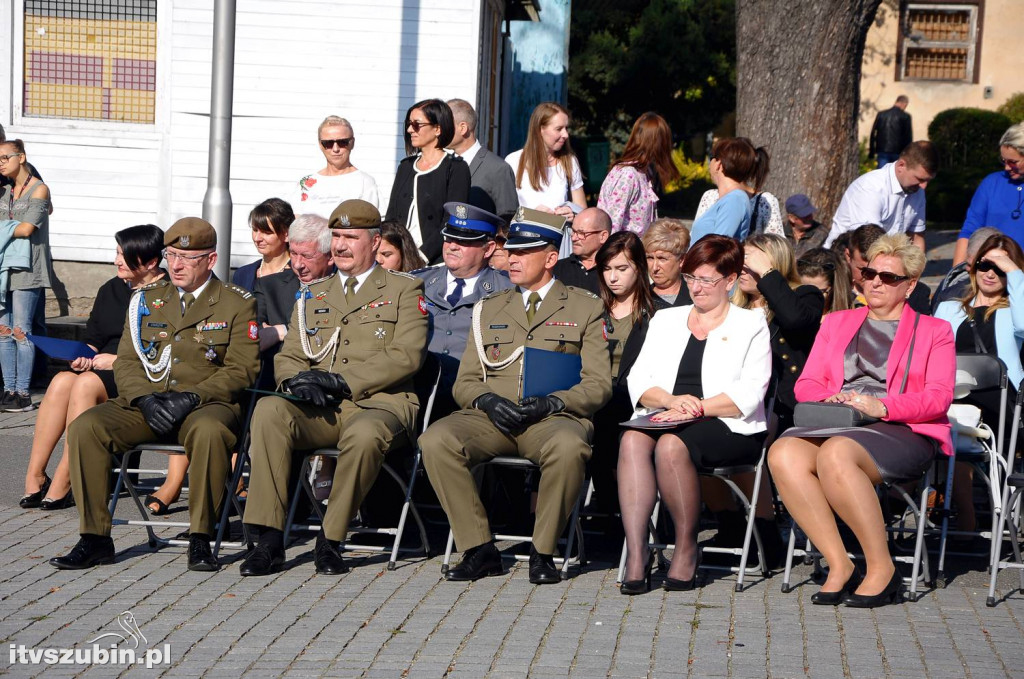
296	61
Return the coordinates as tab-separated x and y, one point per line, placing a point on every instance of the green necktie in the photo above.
350	289
532	302
187	299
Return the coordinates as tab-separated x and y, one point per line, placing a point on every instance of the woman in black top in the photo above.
429	177
90	380
269	222
629	305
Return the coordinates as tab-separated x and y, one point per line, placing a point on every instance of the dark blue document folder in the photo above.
545	372
61	349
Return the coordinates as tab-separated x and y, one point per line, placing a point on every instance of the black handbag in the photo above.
839	415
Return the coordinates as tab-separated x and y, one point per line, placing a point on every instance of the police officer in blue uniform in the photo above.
452	288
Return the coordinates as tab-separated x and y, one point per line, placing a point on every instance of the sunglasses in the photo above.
329	143
888	277
750	272
985	266
416	125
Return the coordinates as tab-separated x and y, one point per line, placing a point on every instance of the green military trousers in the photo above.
280	427
453	445
208	433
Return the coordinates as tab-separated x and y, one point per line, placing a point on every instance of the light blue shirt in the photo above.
729	216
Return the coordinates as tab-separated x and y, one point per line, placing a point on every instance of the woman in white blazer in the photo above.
707	367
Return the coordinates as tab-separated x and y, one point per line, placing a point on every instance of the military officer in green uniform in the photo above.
189	350
347	365
554	431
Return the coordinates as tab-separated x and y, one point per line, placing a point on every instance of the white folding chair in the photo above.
1009	517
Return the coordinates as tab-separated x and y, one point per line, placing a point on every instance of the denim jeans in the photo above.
17	356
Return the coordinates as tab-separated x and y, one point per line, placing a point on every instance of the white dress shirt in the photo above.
878	198
469	284
543	292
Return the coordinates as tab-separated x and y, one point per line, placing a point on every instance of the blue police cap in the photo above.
533	228
468	222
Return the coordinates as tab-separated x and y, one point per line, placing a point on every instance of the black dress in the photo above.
986	399
105	326
711	443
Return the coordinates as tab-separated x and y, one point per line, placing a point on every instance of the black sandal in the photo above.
161	507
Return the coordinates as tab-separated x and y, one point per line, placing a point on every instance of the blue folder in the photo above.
61	349
545	372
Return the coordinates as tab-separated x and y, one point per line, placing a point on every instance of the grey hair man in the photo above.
492	184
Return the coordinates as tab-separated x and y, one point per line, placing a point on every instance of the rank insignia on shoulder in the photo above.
582	291
399	273
254	331
241	292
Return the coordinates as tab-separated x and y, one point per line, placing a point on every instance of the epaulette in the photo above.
402	274
581	291
154	284
425	269
496	294
241	292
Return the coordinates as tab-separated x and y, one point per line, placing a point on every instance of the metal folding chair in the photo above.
726	474
426	383
975	443
920	569
1009	517
575	526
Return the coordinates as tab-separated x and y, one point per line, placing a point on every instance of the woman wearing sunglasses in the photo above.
429	177
999	199
989	319
702	374
888	362
319	193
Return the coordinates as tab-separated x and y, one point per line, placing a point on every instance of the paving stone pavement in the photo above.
408	622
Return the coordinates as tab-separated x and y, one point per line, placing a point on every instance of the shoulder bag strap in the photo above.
910	355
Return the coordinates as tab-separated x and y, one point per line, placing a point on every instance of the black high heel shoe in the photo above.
676	585
835	598
889	595
33	500
633	587
49	503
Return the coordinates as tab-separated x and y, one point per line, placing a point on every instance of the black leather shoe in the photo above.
478	562
835	598
91	550
262	560
642	586
327	557
542	568
66	502
33	500
889	595
200	557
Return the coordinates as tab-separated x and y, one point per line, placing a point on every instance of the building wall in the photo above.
295	63
1003	24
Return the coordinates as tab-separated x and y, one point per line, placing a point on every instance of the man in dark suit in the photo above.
891	132
492	184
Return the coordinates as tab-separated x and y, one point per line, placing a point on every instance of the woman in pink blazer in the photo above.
860	358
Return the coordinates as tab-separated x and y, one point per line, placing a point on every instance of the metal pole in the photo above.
217	201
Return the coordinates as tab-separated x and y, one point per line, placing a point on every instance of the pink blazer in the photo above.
929	391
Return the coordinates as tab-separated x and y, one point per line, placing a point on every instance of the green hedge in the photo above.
1013	108
967	140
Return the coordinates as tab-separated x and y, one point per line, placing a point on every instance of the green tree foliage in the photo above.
1013	108
675	57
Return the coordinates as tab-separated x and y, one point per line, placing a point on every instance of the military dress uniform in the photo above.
212	350
376	343
568	320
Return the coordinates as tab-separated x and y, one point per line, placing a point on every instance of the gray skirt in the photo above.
899	453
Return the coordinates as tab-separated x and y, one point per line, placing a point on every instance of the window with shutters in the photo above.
939	41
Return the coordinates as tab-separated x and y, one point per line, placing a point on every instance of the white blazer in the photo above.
737	362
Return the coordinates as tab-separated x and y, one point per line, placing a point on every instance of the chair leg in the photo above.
448	553
299	487
231	500
575	530
995	562
790	549
943	536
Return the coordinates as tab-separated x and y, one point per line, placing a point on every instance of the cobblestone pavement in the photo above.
409	623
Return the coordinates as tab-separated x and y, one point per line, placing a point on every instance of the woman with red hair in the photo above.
630	192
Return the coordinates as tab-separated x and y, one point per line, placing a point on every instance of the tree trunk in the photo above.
798	91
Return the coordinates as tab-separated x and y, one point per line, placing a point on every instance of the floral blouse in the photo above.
629	199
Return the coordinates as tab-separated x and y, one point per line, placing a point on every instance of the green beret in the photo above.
354	214
191	233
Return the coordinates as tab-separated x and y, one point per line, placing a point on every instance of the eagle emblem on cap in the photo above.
461	212
183	241
520	215
344	220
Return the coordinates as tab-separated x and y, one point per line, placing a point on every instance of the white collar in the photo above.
471	152
543	292
198	291
360	278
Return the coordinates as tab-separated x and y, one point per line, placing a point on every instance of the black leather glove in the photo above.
536	408
164	411
330	383
307	392
505	414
